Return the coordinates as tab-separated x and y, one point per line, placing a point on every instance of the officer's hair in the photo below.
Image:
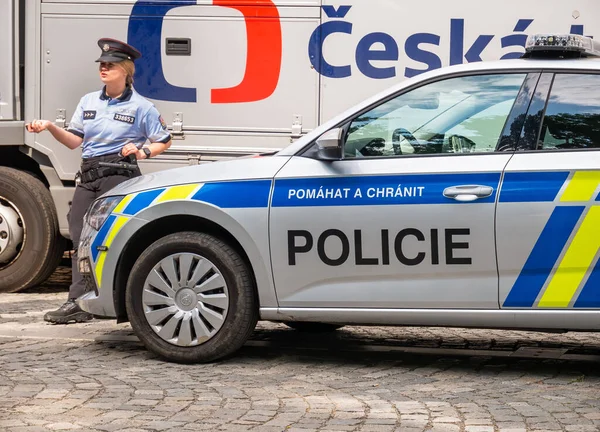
129	68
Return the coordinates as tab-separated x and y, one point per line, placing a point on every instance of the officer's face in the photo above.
111	73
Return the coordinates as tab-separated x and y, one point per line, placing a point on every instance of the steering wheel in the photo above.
404	133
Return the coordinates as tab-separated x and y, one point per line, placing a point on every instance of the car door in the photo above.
406	218
549	207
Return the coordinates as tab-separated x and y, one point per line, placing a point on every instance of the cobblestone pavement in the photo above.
97	377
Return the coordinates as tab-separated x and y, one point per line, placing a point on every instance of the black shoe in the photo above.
68	312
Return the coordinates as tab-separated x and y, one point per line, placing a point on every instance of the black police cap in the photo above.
114	51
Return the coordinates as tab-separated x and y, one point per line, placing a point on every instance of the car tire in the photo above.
312	327
27	199
189	314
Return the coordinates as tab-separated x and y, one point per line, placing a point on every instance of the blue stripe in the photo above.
377	190
590	294
532	187
101	236
543	257
236	194
141	201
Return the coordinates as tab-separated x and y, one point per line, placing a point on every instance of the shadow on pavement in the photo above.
350	348
59	281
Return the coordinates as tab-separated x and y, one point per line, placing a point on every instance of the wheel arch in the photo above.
12	157
163	226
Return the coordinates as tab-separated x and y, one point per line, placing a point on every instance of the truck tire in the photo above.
30	242
312	327
190	298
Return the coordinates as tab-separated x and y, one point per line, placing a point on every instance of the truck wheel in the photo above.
30	242
190	298
312	327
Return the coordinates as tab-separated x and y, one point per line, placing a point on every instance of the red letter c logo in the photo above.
263	65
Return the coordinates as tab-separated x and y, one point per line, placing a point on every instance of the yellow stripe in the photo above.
99	268
119	222
575	264
177	193
121	206
582	186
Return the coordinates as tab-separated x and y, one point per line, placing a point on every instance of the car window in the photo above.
572	118
457	115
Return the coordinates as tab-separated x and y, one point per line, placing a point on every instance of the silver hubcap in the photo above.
185	299
11	232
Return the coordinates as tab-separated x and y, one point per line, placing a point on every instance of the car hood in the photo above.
254	168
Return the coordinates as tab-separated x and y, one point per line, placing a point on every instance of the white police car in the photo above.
468	196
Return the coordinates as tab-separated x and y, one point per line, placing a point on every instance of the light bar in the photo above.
566	43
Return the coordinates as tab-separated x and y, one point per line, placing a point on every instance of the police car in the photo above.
467	196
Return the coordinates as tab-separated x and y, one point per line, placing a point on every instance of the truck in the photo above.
231	78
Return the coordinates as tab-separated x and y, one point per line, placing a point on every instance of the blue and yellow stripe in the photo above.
563	269
547	250
234	194
117	224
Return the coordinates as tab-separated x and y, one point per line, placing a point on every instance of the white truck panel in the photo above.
199	2
443	30
7	45
332	56
217	61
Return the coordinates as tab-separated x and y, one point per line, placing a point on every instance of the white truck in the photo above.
230	77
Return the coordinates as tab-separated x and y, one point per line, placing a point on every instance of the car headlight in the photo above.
100	210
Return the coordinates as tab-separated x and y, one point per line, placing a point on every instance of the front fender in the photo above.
240	208
249	226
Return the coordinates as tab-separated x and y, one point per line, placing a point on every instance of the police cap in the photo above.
114	51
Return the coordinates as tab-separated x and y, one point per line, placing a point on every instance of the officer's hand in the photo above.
129	149
37	126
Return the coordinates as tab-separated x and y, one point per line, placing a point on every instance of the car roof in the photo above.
516	65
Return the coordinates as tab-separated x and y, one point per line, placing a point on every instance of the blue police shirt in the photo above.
107	124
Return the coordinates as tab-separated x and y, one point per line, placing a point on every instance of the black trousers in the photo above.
85	194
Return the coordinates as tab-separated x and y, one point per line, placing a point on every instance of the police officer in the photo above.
112	125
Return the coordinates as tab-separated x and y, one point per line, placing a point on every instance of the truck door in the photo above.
7	58
406	219
549	212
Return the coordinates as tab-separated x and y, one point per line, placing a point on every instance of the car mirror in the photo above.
330	144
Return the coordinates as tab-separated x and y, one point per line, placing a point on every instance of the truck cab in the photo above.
32	196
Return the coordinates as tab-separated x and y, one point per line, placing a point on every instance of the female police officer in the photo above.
111	124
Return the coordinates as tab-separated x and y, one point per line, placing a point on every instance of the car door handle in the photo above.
467	193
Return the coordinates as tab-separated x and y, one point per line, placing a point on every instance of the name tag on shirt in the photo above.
124	118
89	115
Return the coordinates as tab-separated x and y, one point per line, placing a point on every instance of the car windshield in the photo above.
473	106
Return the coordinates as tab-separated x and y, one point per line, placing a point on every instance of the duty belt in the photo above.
91	171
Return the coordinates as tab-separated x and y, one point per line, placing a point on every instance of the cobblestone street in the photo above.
98	377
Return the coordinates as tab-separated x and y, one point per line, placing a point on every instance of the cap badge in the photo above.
105	47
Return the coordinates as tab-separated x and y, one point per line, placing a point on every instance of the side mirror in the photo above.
330	145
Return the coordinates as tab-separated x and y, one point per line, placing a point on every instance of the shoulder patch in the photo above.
89	115
162	122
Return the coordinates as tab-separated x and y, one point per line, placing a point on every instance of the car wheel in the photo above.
190	298
312	327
